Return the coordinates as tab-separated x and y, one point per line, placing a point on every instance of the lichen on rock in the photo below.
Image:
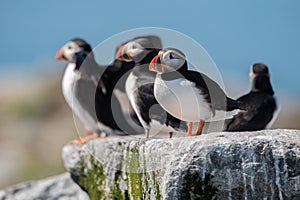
252	165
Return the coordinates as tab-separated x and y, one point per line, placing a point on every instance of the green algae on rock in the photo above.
253	165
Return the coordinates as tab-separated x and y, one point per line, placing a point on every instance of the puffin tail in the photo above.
233	105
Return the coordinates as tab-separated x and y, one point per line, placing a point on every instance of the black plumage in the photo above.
260	103
144	101
107	104
189	95
89	90
210	90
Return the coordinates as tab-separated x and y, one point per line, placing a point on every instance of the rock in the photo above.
248	165
58	187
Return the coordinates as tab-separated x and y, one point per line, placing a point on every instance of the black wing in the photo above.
212	92
260	109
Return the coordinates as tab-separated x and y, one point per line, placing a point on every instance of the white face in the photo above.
173	59
170	60
133	51
69	50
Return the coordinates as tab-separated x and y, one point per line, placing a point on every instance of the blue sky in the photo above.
235	33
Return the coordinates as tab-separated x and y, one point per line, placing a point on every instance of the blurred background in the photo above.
35	122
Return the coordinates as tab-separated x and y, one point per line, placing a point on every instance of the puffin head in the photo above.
260	78
131	51
68	52
258	69
167	60
138	48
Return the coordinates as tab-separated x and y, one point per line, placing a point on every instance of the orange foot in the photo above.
199	129
82	140
190	129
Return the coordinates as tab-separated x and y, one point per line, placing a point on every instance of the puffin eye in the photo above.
171	56
69	47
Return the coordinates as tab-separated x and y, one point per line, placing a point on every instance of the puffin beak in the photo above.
156	64
119	52
127	55
60	55
162	64
123	56
152	65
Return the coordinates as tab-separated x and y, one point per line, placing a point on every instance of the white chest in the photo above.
182	99
68	83
69	88
130	87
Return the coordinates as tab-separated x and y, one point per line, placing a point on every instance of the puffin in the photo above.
87	88
189	95
140	87
261	104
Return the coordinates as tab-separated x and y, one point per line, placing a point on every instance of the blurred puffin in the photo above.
189	95
261	105
87	88
140	87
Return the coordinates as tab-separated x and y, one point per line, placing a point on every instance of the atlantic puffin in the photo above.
260	102
189	95
87	88
140	87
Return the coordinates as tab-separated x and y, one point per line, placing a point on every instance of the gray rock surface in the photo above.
58	187
248	165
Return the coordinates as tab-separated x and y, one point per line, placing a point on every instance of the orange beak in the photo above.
60	54
152	65
118	54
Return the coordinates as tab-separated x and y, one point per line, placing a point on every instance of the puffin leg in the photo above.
82	140
146	133
88	134
200	127
170	134
190	129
